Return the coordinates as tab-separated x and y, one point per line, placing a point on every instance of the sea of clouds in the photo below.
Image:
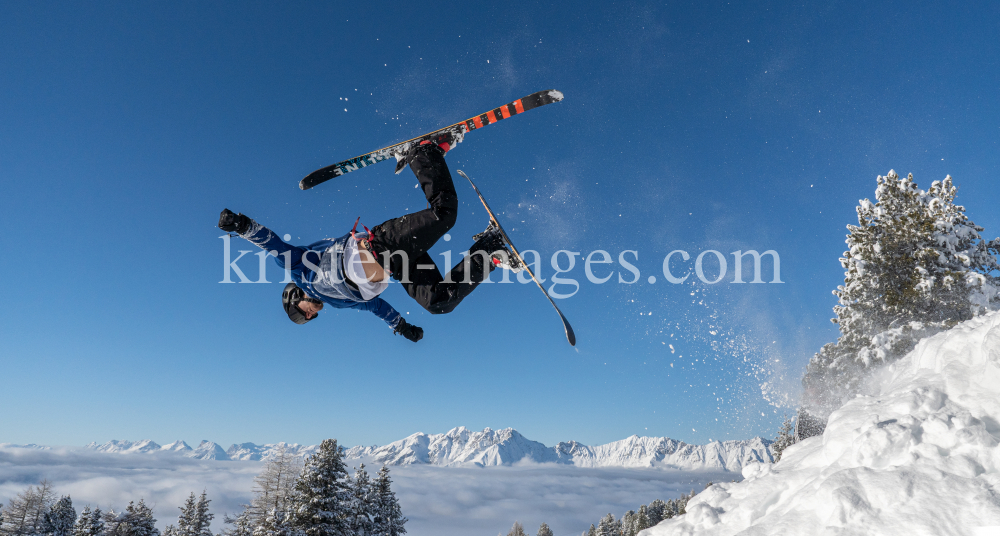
444	501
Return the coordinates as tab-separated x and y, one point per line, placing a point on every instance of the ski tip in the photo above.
556	95
303	185
570	335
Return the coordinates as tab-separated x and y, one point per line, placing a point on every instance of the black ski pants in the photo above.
405	240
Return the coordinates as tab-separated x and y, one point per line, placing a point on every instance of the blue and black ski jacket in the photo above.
318	270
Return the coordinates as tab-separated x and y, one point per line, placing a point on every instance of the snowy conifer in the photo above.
361	505
82	526
59	519
275	483
204	517
275	523
272	492
915	264
627	521
544	530
136	520
592	531
655	511
24	515
187	520
608	526
89	523
320	505
96	523
642	519
516	530
388	517
785	439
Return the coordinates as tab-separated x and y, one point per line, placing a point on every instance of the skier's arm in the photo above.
263	238
381	309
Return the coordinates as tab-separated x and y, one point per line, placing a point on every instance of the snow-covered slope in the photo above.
252	451
919	455
458	447
125	446
489	447
176	446
208	450
638	451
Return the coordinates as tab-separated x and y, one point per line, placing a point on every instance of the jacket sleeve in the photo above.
381	309
265	239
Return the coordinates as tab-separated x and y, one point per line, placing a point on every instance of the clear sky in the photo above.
126	127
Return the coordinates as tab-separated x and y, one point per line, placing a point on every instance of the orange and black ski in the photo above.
458	131
570	335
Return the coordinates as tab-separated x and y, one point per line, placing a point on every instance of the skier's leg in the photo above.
441	295
415	233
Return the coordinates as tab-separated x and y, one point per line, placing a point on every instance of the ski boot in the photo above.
493	243
443	142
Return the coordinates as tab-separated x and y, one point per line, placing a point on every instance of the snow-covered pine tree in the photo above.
642	519
322	495
136	520
388	516
785	439
96	523
272	491
544	530
916	264
59	519
608	526
592	531
655	511
24	515
627	522
187	520
275	483
275	523
516	530
82	526
203	517
362	504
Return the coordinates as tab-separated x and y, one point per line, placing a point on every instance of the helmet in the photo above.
290	298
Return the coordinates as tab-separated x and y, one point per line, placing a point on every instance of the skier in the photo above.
345	272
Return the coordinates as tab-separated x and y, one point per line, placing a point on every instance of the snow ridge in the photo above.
489	448
918	453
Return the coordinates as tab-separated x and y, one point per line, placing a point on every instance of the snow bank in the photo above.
918	456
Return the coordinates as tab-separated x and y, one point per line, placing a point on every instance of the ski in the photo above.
570	336
458	131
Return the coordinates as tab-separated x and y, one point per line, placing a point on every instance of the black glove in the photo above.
230	222
411	332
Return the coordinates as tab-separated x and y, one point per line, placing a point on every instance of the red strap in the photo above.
370	239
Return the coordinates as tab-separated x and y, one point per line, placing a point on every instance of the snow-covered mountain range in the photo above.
463	447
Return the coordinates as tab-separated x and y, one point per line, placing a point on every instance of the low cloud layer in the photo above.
440	501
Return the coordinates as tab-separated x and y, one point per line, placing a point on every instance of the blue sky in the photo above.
125	128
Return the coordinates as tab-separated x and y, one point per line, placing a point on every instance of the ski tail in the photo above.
567	328
458	131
